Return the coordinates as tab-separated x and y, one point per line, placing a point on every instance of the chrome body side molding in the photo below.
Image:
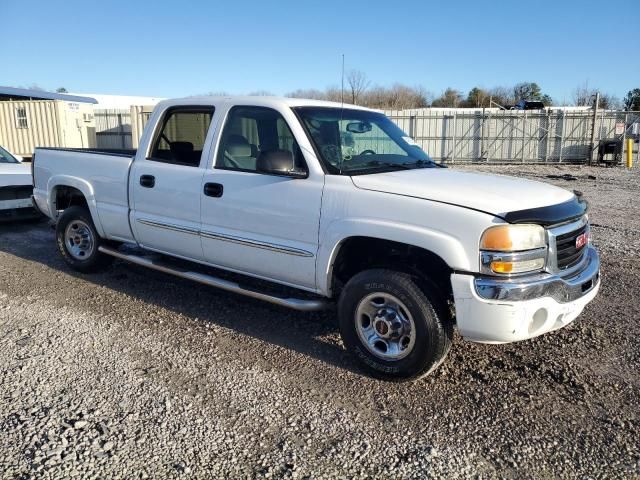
229	238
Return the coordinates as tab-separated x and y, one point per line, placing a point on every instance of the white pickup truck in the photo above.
336	205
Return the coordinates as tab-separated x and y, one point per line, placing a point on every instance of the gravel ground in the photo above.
135	374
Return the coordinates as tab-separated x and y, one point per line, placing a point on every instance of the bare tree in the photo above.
312	93
502	96
358	83
610	102
333	94
261	93
582	95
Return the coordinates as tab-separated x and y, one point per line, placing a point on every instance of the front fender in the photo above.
440	243
83	186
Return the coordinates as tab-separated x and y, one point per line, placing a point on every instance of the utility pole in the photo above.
593	128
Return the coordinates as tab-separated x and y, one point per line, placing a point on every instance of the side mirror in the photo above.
278	162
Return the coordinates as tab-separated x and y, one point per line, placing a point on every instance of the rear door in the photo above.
166	182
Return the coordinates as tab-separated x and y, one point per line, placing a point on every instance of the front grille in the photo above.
566	252
15	192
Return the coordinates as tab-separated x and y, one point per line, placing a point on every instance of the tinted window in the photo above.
252	133
6	157
182	136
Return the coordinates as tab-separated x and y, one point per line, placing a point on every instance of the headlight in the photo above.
513	238
513	249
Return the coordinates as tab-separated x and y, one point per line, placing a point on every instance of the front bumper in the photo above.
494	310
17	209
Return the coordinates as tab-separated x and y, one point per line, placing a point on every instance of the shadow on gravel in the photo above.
297	331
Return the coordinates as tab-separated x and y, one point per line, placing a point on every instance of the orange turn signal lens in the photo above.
513	238
497	238
502	267
517	266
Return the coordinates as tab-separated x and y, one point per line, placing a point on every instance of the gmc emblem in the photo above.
581	240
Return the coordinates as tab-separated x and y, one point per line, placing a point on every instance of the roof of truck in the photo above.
259	100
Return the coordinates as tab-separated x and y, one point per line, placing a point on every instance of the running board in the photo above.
303	305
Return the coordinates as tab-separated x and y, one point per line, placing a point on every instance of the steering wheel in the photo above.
367	152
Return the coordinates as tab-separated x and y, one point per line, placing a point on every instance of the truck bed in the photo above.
99	151
100	175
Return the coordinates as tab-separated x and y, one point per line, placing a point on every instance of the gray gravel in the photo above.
135	374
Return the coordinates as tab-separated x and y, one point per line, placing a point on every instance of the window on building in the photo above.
22	121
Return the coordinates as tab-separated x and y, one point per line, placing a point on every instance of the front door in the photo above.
165	213
256	223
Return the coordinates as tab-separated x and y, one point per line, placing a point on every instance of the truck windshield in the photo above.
356	142
6	157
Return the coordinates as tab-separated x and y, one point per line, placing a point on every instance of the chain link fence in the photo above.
458	135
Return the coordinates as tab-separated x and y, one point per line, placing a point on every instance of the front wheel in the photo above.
78	241
394	328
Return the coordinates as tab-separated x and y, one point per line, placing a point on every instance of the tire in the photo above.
406	353
78	241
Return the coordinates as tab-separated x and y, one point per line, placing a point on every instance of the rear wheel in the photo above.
78	241
394	328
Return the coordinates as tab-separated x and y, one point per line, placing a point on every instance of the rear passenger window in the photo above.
182	136
250	134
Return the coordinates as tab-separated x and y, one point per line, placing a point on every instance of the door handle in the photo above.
148	181
213	189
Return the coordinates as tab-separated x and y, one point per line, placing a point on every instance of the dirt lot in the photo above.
135	374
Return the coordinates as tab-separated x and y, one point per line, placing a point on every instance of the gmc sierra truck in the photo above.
328	204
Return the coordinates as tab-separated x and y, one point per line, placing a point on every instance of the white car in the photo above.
15	188
267	188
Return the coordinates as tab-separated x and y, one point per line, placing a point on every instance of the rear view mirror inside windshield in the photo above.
358	127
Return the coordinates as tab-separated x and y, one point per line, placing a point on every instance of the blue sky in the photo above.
178	48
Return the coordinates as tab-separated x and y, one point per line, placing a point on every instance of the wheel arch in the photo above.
65	191
357	253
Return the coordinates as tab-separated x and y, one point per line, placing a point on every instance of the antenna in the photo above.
342	84
341	112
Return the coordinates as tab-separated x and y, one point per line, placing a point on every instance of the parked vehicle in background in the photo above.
15	188
528	105
338	206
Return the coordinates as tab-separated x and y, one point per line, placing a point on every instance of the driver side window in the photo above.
251	135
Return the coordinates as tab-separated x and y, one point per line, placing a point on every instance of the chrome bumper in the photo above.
563	289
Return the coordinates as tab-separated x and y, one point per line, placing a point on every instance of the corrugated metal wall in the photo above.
113	128
464	135
139	118
43	126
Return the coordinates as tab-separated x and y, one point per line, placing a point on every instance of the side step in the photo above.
303	305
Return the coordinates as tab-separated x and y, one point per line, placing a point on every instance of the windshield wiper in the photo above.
422	164
361	168
398	166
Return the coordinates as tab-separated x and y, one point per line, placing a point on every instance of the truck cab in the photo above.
340	207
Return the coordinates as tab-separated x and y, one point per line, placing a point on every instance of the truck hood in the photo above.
494	194
14	174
